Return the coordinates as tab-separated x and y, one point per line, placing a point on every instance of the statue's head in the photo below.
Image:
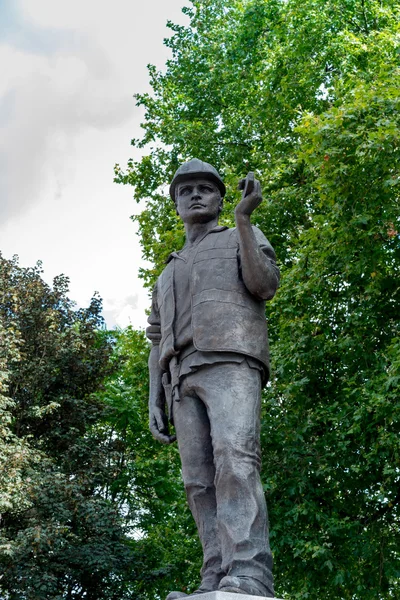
197	190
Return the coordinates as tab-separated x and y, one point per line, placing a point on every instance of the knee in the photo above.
198	488
236	463
198	481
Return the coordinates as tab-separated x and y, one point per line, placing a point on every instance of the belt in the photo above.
174	370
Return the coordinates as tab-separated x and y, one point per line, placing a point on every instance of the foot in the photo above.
244	585
176	595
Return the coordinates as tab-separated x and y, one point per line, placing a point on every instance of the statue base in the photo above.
227	596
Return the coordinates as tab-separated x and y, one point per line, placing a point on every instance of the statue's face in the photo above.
198	201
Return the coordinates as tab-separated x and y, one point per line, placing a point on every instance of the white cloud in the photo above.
69	70
52	99
126	311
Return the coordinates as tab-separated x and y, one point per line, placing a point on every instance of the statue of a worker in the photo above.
208	363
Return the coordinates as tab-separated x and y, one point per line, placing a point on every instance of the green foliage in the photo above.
148	483
15	453
336	384
240	79
305	93
60	535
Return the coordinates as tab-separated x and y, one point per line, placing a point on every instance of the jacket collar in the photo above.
213	230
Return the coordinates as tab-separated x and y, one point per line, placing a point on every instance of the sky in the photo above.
68	72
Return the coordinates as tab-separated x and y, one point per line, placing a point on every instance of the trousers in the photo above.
217	422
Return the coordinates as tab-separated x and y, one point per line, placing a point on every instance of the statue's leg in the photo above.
193	435
232	393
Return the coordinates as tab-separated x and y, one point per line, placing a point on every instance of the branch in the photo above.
382	511
365	17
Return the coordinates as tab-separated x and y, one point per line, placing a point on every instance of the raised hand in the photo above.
251	197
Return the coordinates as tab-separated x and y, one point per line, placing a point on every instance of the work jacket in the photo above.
226	317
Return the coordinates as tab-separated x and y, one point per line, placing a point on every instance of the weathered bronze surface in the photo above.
207	365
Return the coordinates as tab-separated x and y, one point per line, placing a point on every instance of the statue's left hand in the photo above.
251	197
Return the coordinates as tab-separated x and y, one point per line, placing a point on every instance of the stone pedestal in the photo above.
227	596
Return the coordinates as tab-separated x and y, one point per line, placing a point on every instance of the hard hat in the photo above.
196	168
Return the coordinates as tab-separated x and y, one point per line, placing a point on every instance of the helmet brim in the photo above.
195	175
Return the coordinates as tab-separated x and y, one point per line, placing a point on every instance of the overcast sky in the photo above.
69	69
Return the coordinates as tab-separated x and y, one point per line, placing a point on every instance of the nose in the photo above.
196	195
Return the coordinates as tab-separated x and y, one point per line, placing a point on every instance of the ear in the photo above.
221	205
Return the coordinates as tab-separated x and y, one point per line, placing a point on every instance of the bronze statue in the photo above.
208	363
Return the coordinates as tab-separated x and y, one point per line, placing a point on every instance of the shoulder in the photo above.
260	237
263	241
165	273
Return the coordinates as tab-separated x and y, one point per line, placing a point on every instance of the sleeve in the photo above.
153	331
268	251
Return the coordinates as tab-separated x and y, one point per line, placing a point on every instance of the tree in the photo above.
306	93
15	454
61	536
148	486
337	359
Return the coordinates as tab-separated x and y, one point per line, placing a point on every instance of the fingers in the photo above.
159	428
250	185
162	437
256	188
161	422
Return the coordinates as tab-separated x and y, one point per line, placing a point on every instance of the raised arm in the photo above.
259	271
